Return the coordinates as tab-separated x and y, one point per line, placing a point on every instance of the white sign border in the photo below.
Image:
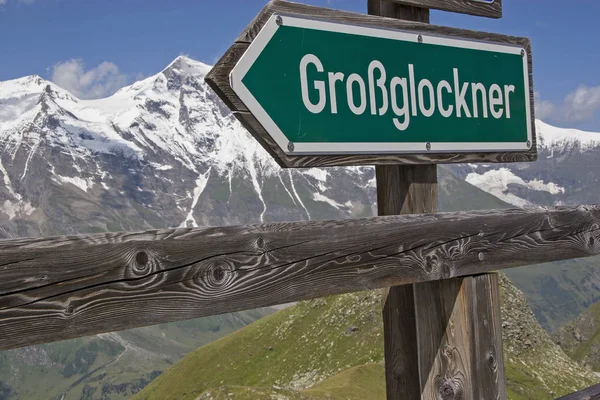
322	148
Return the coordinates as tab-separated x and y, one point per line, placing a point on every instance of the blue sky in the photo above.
96	46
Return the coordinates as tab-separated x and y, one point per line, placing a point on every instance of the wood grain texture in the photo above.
591	393
443	340
403	189
493	10
406	189
482	293
400	344
64	287
461	351
218	79
390	9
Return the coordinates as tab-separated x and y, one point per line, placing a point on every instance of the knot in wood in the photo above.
450	389
260	244
216	277
142	263
446	270
491	361
141	258
69	310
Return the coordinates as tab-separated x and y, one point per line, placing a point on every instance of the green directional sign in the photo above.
319	87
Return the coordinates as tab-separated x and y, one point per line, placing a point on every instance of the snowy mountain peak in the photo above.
187	66
552	137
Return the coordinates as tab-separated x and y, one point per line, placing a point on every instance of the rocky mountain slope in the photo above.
333	348
566	172
580	338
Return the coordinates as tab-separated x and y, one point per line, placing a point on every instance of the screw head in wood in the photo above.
290	146
528	144
428	146
522	53
420	39
279	20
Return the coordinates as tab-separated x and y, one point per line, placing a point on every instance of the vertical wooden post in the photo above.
443	339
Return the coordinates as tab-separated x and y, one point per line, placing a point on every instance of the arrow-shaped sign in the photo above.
325	88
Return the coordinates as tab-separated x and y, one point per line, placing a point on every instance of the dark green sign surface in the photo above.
317	86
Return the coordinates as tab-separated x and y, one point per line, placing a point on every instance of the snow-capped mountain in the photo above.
567	171
166	152
146	157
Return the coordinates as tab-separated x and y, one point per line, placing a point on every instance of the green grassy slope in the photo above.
363	382
580	338
317	348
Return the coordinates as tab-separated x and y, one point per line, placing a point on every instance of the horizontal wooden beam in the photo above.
591	393
472	7
64	287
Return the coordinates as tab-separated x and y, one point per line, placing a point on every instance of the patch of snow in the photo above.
287	191
200	186
317	173
496	182
325	199
552	137
8	183
16	209
296	193
83	184
161	167
320	175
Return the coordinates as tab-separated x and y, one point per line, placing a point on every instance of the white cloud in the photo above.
100	81
543	108
579	105
2	2
582	104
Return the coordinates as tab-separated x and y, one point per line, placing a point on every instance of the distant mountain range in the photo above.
166	152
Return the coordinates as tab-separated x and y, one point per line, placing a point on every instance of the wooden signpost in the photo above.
443	339
308	83
319	87
483	8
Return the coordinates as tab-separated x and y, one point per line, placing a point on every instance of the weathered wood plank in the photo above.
445	360
591	393
303	10
461	351
64	287
490	10
483	307
389	9
218	79
403	189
